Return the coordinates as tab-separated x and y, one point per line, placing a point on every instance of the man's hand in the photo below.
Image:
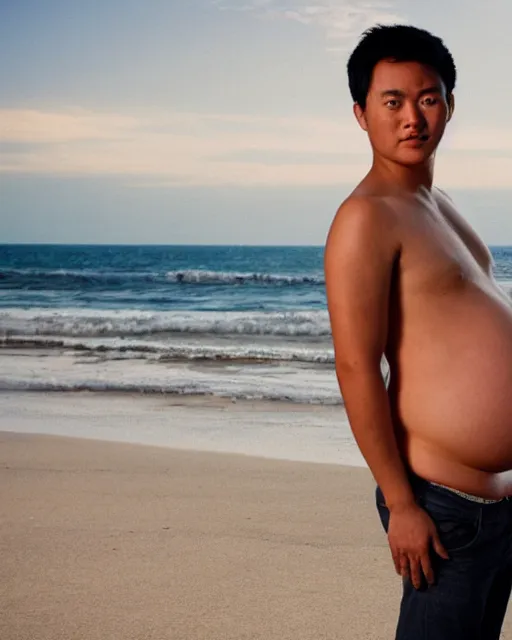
411	531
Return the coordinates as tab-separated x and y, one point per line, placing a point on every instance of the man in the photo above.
408	278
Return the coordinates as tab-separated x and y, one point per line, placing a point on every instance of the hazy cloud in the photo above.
342	20
190	148
26	125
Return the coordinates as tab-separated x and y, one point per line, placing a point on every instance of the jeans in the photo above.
469	598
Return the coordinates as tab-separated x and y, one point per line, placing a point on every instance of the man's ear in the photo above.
360	116
451	106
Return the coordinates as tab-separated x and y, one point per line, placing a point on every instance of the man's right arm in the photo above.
361	250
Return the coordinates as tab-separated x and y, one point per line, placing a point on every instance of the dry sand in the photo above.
118	542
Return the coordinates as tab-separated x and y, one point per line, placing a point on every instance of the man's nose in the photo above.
413	117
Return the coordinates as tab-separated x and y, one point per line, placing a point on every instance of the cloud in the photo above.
157	149
185	148
342	21
26	125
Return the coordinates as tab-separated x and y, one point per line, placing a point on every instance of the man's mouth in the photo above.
421	138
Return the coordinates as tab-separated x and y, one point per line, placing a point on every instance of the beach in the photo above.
106	540
119	540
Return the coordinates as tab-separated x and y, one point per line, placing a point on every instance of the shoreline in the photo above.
209	400
264	429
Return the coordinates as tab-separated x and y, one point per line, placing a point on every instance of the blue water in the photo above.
162	278
165	318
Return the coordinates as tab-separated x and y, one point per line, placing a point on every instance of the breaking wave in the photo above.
63	278
96	322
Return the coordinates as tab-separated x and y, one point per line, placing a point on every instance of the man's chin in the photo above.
418	157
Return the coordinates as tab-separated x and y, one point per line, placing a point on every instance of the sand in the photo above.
103	540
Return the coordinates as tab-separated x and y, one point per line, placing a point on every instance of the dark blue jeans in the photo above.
469	598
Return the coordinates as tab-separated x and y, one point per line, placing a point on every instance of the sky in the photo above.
224	121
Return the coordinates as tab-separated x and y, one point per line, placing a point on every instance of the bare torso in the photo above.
450	353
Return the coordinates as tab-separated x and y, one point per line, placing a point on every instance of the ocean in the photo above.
242	322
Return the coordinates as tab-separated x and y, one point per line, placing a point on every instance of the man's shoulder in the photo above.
368	214
364	202
463	228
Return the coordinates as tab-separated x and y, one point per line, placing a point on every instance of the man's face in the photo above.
406	111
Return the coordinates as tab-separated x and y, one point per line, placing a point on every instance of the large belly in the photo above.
453	391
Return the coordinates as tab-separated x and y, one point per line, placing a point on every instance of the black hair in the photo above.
400	43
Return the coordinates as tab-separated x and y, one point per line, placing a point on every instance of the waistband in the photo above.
467	496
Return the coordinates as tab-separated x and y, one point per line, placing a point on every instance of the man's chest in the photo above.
440	252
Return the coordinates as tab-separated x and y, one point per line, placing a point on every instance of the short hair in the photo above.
400	43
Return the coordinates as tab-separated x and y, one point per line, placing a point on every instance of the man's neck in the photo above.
404	178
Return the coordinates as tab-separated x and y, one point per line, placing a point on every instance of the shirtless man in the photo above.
408	278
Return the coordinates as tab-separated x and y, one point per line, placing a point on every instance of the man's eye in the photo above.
430	101
392	104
